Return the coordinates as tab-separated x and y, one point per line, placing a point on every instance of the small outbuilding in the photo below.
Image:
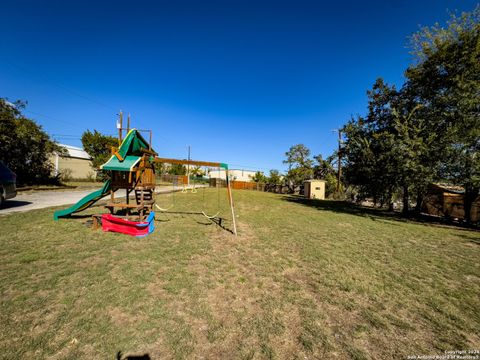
76	162
448	201
314	189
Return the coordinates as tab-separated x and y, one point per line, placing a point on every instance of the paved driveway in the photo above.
31	200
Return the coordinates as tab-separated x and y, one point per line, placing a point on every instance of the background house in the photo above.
234	174
75	164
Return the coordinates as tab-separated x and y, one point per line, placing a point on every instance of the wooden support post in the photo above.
189	162
230	200
96	221
112	199
128	123
142	209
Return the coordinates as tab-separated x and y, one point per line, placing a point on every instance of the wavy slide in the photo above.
85	202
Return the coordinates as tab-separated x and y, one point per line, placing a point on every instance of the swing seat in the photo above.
210	217
162	209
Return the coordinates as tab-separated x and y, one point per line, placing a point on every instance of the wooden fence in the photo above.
177	179
236	185
247	185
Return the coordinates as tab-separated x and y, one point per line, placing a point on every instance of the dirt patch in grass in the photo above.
156	289
124	319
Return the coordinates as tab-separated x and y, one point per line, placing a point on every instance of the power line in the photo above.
61	86
49	117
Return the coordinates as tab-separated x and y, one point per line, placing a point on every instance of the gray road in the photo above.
30	200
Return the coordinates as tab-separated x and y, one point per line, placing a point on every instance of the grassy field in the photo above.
303	280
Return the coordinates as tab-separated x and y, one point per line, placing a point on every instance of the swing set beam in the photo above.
191	162
211	164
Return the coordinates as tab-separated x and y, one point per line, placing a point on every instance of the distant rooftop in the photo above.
76	152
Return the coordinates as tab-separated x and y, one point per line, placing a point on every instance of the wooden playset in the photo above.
132	168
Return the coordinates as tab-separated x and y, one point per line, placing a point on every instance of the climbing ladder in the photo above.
144	199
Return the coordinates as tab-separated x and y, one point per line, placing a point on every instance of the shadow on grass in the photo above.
133	357
345	207
472	239
77	216
219	221
10	204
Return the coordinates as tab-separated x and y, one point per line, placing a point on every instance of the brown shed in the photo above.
447	201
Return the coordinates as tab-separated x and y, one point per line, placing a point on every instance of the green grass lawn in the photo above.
303	280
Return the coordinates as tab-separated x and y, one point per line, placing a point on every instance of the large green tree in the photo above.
391	149
369	148
259	177
24	147
323	169
177	169
274	177
98	146
445	80
299	164
429	130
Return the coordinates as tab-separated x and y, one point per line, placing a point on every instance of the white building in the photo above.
234	174
77	161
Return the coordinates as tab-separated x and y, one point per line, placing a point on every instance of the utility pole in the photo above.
119	126
339	159
188	167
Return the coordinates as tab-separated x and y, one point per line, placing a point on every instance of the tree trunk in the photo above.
390	200
471	194
390	206
418	205
405	200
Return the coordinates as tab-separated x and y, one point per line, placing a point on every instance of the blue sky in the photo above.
239	81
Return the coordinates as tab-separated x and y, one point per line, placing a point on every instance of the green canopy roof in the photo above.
133	144
127	164
130	150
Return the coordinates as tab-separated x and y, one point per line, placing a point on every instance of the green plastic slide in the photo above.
85	202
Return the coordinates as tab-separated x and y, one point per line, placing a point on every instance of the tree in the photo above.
259	177
414	149
391	148
197	171
323	169
24	147
98	146
299	164
445	80
371	163
430	129
177	169
274	177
